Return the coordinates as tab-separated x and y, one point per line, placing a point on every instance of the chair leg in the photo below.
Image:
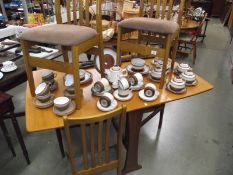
59	139
7	137
118	47
161	117
101	56
174	52
194	52
65	54
75	59
20	137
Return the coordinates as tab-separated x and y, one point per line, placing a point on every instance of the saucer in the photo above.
145	98
69	95
154	62
1	75
100	93
143	72
192	84
87	78
111	107
139	86
153	79
69	110
130	95
13	68
54	86
44	105
175	92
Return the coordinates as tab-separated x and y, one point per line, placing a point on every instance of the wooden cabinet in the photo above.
205	4
218	8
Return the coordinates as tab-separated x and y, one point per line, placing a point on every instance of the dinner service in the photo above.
114	73
45	104
101	85
117	94
156	73
70	109
106	100
135	79
61	103
182	67
112	106
145	98
8	66
42	89
144	71
176	85
149	90
189	77
137	64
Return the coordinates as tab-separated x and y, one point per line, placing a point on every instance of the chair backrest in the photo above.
102	123
81	15
162	9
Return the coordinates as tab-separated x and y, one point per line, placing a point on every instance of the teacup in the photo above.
137	64
101	85
106	100
123	92
8	65
82	74
42	89
149	90
156	73
61	103
182	67
123	83
44	98
135	79
159	63
48	75
188	76
177	83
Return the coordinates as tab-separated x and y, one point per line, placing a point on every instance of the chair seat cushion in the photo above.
59	34
150	24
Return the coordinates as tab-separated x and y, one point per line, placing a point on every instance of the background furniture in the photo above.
207	5
101	124
40	120
7	107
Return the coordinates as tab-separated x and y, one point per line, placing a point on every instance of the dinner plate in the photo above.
116	95
13	68
145	98
110	108
143	72
1	75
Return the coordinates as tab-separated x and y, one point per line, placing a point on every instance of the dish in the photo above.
87	78
139	86
143	72
41	105
153	79
111	107
145	98
69	110
69	95
115	93
175	92
100	93
13	68
192	84
1	75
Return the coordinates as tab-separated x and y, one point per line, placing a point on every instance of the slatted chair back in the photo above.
77	12
99	159
162	9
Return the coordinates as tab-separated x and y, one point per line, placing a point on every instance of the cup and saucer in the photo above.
44	98
100	87
136	81
48	77
63	106
176	85
84	76
138	65
123	93
158	62
149	93
8	66
106	102
189	77
182	67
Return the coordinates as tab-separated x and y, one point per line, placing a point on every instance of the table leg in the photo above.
133	125
59	139
161	116
19	136
7	137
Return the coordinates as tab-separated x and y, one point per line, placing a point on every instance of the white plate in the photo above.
115	93
111	107
144	72
1	75
137	87
9	70
145	98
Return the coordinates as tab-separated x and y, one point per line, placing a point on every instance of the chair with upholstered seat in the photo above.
158	27
70	36
99	159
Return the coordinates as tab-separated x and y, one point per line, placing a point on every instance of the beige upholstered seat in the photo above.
59	34
150	24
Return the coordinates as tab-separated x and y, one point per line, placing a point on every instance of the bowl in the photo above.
61	103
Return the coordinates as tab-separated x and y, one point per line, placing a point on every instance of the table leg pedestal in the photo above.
133	125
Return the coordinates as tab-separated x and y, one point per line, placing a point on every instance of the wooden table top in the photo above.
188	24
43	119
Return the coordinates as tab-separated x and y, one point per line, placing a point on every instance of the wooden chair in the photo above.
77	38
158	23
188	40
102	121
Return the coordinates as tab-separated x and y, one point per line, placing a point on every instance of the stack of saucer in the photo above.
100	87
44	98
138	65
123	93
8	66
106	102
48	77
189	77
156	73
63	106
149	93
136	81
176	85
